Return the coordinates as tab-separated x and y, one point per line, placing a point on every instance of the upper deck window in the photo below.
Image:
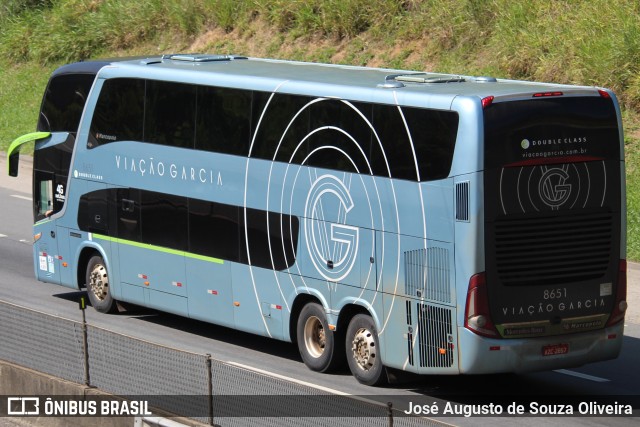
223	120
169	114
63	102
407	143
119	114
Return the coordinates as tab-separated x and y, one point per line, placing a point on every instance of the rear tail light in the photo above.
603	93
620	306
477	317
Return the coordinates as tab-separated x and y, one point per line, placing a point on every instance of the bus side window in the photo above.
119	113
223	120
169	114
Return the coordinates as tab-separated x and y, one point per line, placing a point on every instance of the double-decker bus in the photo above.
432	223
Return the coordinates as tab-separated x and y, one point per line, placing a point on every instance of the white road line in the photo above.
583	376
21	197
282	377
2	235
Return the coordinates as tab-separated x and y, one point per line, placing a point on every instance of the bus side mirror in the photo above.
13	154
13	160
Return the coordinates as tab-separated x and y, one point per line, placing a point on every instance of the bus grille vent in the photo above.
409	333
553	250
435	336
462	201
427	274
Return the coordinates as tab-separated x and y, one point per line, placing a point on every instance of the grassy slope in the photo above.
592	43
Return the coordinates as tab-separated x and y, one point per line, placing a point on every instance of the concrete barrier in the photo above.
19	381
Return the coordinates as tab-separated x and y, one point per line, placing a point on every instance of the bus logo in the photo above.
332	245
23	406
553	187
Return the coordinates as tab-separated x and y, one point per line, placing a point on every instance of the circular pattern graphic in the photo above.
344	210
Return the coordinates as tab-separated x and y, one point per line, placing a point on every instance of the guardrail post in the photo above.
85	342
210	390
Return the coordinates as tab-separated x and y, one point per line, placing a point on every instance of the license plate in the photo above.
555	349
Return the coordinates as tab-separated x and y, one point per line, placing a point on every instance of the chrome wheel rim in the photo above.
99	282
364	349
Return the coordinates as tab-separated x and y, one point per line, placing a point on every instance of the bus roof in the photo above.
326	80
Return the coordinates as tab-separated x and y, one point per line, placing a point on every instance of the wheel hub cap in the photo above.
364	349
99	282
314	336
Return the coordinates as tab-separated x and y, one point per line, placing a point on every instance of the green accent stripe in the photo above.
157	248
17	143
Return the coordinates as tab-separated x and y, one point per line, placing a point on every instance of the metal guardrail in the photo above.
183	383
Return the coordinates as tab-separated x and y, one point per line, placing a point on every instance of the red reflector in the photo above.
620	304
487	101
494	348
604	94
543	94
612	336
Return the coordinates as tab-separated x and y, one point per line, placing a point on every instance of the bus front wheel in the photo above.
98	285
317	343
363	351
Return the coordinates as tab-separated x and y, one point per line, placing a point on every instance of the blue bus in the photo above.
431	223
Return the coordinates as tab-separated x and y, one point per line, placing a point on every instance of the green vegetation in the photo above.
578	42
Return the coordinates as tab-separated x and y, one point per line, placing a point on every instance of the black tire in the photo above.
318	345
363	351
98	287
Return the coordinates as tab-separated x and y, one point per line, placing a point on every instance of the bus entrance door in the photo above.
46	245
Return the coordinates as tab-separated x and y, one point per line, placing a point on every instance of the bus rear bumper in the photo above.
480	355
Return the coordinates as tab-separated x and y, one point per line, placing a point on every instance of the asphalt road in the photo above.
18	286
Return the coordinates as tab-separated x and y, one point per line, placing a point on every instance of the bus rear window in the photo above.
545	129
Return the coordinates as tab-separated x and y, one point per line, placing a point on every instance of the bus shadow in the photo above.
199	328
227	335
457	388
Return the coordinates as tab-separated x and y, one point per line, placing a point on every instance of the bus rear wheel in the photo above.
363	351
98	287
317	343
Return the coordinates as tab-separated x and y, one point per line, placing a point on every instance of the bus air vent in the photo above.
426	78
485	79
201	57
553	249
435	332
427	274
462	201
409	332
